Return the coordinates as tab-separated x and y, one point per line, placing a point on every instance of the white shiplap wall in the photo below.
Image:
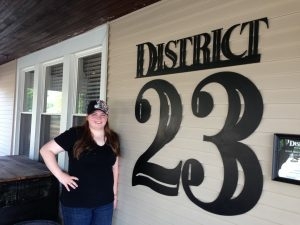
7	94
277	77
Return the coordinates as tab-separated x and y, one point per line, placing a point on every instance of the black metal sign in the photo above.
286	158
245	109
228	142
204	50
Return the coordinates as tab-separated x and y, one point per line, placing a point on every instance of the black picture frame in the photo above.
286	158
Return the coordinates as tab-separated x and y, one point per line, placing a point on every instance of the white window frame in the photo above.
40	99
82	54
67	52
20	102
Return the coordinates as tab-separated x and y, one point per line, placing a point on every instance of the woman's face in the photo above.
97	119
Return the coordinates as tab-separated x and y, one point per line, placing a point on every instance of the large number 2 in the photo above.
169	121
236	128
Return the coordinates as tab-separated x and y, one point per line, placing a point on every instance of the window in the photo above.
50	119
88	84
28	91
52	95
26	114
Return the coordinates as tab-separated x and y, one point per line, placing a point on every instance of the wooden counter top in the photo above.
16	167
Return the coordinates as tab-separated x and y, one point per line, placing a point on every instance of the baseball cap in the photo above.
97	105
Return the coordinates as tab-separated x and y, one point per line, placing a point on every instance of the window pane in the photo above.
50	126
88	81
78	120
53	89
25	132
28	91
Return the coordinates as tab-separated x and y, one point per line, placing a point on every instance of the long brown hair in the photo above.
86	142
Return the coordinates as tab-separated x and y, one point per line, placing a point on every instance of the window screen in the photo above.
88	82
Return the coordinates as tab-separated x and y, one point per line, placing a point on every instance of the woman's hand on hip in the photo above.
68	181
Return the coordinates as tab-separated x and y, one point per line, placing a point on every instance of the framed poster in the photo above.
286	158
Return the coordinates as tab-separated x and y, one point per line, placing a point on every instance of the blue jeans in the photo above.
101	215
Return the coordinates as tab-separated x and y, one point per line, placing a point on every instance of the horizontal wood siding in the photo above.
7	95
277	77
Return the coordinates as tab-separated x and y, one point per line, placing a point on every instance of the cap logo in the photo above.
101	105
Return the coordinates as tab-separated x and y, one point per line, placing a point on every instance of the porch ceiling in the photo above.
29	25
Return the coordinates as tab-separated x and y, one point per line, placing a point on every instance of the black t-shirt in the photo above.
93	169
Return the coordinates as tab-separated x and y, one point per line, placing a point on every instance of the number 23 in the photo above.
227	141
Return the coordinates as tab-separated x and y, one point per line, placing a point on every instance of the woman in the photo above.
89	192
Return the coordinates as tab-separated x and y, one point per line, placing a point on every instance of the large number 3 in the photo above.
235	129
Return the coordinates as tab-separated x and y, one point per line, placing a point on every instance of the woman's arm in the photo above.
48	153
116	181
